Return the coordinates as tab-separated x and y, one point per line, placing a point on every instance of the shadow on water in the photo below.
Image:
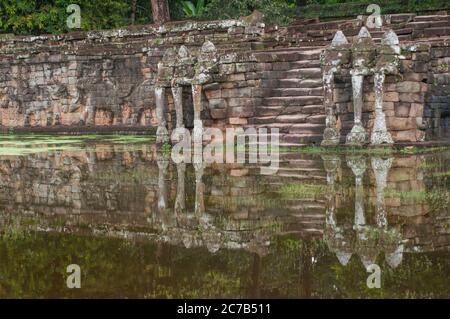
141	226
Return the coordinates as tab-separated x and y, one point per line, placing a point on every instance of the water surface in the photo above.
141	226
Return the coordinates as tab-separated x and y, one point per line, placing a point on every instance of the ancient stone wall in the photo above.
259	76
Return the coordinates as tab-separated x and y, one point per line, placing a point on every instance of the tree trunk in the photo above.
160	10
133	11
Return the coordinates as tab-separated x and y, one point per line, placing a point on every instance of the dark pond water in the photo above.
140	226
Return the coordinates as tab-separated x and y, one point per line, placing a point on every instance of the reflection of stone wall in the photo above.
109	192
265	77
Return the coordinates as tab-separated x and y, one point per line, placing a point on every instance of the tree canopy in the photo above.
49	16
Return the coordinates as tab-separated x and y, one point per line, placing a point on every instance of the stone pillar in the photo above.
358	135
198	124
331	133
380	133
331	60
388	63
162	135
363	54
177	92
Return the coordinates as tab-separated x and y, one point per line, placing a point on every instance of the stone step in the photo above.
432	18
268	110
306	64
287	56
304	73
283	128
313	109
318	42
290	118
334	25
422	25
296	92
302	138
317	119
307	129
292	100
299	83
434	32
402	17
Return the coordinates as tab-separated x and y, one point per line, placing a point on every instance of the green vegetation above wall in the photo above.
275	11
39	17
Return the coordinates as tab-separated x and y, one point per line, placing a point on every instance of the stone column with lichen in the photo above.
331	60
205	68
388	63
183	74
164	78
363	55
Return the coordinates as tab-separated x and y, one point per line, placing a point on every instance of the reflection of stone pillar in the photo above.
163	165
199	189
331	164
177	92
335	236
198	125
358	166
180	202
380	134
381	169
162	135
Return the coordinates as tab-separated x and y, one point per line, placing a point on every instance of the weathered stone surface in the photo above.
408	87
108	78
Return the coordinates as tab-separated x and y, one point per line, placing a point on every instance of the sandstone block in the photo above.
402	109
237	121
411	97
408	87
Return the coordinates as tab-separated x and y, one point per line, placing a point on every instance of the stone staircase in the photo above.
293	90
293	96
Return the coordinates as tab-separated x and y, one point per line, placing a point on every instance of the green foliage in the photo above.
167	149
299	190
193	11
37	17
275	11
